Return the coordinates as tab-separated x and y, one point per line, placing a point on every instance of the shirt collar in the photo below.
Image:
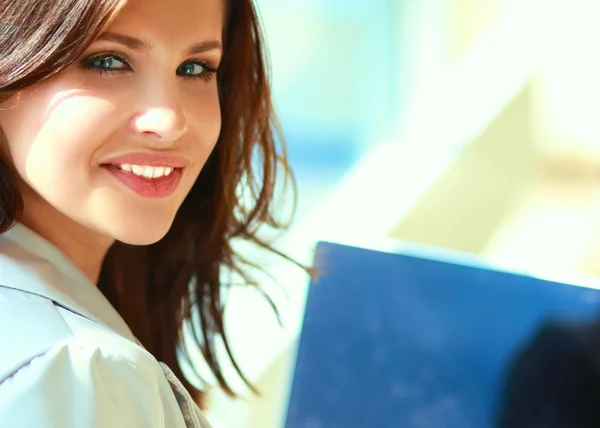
32	264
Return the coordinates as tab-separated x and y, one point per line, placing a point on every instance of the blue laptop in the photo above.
417	340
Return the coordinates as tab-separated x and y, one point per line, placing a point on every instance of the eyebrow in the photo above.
136	44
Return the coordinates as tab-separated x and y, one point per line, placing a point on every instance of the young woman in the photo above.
129	130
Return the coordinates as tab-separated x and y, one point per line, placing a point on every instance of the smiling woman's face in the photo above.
115	141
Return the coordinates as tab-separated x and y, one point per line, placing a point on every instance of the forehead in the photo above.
186	20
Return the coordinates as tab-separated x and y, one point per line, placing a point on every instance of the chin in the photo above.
146	237
131	223
141	240
140	233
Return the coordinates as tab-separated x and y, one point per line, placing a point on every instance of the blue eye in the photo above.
107	63
196	70
190	69
110	63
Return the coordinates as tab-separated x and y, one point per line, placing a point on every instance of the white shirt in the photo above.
67	358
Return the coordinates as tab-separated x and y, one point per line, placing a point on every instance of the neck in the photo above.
84	247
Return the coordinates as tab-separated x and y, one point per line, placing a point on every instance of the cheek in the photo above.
205	120
213	126
53	137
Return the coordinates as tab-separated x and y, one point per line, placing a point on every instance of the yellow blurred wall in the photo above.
470	19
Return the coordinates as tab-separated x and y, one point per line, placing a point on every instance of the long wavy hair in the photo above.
157	288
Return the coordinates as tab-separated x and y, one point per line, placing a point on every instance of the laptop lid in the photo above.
411	339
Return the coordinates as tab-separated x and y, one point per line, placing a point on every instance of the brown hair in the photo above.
156	288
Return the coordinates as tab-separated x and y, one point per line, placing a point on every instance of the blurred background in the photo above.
468	125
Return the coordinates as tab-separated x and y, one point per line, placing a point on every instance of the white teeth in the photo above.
137	169
159	171
147	171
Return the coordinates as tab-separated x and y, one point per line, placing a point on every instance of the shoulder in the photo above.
554	352
555	344
74	385
61	372
553	379
29	326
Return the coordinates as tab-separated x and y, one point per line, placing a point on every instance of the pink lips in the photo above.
159	187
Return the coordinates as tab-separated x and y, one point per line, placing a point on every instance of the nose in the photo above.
161	119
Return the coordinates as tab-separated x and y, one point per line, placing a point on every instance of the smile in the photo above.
146	181
146	170
148	174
